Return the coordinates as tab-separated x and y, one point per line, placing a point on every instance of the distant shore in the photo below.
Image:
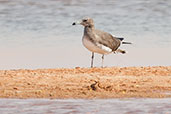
113	82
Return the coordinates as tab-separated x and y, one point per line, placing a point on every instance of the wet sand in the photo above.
113	82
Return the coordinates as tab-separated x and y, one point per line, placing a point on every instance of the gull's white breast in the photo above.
97	48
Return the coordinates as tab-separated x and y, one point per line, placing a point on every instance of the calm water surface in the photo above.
38	33
72	106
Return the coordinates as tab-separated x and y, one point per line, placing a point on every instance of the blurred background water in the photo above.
39	34
82	106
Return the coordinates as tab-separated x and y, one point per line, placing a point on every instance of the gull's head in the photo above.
87	22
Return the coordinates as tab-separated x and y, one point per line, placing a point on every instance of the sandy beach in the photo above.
113	82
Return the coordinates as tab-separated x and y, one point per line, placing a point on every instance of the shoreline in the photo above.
87	83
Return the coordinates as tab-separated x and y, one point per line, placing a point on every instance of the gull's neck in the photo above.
88	30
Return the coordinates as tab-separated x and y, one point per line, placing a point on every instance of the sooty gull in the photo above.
98	41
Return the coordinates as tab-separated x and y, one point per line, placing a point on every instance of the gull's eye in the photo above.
84	20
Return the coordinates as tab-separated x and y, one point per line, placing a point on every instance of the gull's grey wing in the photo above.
107	40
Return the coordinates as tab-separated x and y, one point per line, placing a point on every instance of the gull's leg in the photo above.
92	57
102	60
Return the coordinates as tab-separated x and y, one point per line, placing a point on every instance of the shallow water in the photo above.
98	106
45	25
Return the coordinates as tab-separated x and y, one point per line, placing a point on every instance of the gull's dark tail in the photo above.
121	39
126	43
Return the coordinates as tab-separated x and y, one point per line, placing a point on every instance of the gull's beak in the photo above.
76	23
